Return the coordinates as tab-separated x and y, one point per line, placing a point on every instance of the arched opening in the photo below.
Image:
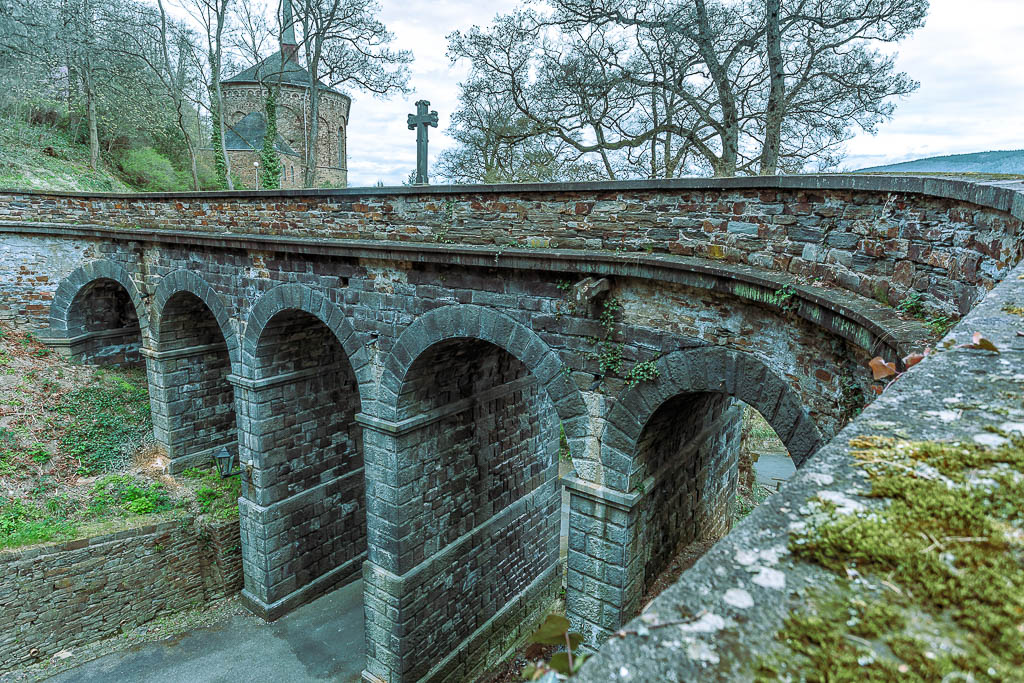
306	494
341	147
476	528
698	479
198	417
103	325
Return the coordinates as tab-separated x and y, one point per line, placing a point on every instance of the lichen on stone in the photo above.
930	575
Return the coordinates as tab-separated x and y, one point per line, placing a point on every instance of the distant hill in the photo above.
42	158
1009	162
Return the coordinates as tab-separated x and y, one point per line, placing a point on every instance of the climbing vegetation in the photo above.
270	162
555	631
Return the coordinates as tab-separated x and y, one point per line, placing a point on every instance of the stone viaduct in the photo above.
400	370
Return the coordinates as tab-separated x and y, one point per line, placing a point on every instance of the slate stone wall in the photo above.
690	448
477	511
880	237
330	331
62	596
193	402
305	502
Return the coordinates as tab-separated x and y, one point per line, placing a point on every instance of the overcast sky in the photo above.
969	58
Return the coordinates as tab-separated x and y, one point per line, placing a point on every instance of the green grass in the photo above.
109	420
25	523
46	516
24	165
215	496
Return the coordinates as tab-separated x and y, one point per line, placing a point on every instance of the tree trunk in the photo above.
776	93
729	132
314	130
220	123
90	108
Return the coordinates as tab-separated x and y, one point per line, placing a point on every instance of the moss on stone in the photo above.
931	581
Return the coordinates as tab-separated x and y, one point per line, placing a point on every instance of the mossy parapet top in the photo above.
892	552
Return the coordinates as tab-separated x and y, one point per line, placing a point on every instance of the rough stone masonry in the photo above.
394	368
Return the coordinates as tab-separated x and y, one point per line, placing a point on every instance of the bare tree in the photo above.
824	76
77	35
660	88
345	45
168	50
496	144
212	16
253	37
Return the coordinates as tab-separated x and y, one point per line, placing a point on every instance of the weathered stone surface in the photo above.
731	636
58	597
394	373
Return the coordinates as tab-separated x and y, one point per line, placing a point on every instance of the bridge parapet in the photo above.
883	237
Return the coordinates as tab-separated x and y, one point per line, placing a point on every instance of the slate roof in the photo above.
267	71
248	134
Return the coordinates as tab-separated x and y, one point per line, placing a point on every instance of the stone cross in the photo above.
419	121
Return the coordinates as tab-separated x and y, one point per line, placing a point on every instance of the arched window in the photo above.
341	147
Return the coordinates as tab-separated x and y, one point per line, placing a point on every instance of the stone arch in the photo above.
187	281
192	341
293	296
477	322
73	285
670	447
713	370
465	503
99	316
302	373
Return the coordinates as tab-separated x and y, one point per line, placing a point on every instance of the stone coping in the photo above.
29	552
880	323
63	342
1003	195
743	589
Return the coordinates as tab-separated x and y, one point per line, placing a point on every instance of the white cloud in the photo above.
972	86
966	58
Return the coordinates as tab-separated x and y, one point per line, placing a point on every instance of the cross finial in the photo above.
419	122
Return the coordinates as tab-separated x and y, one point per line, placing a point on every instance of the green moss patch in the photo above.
931	582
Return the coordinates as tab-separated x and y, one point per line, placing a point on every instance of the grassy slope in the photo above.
24	164
76	452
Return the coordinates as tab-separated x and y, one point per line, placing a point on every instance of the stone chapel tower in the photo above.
244	115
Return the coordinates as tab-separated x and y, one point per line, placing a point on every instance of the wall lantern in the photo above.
225	461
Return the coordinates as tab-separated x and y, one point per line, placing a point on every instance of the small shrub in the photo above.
912	304
116	492
149	170
215	496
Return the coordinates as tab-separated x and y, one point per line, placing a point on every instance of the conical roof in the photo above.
274	66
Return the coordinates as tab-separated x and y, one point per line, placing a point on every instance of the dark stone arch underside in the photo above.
103	325
192	398
304	513
472	534
689	450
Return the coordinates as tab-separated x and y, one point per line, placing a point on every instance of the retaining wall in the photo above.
56	597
